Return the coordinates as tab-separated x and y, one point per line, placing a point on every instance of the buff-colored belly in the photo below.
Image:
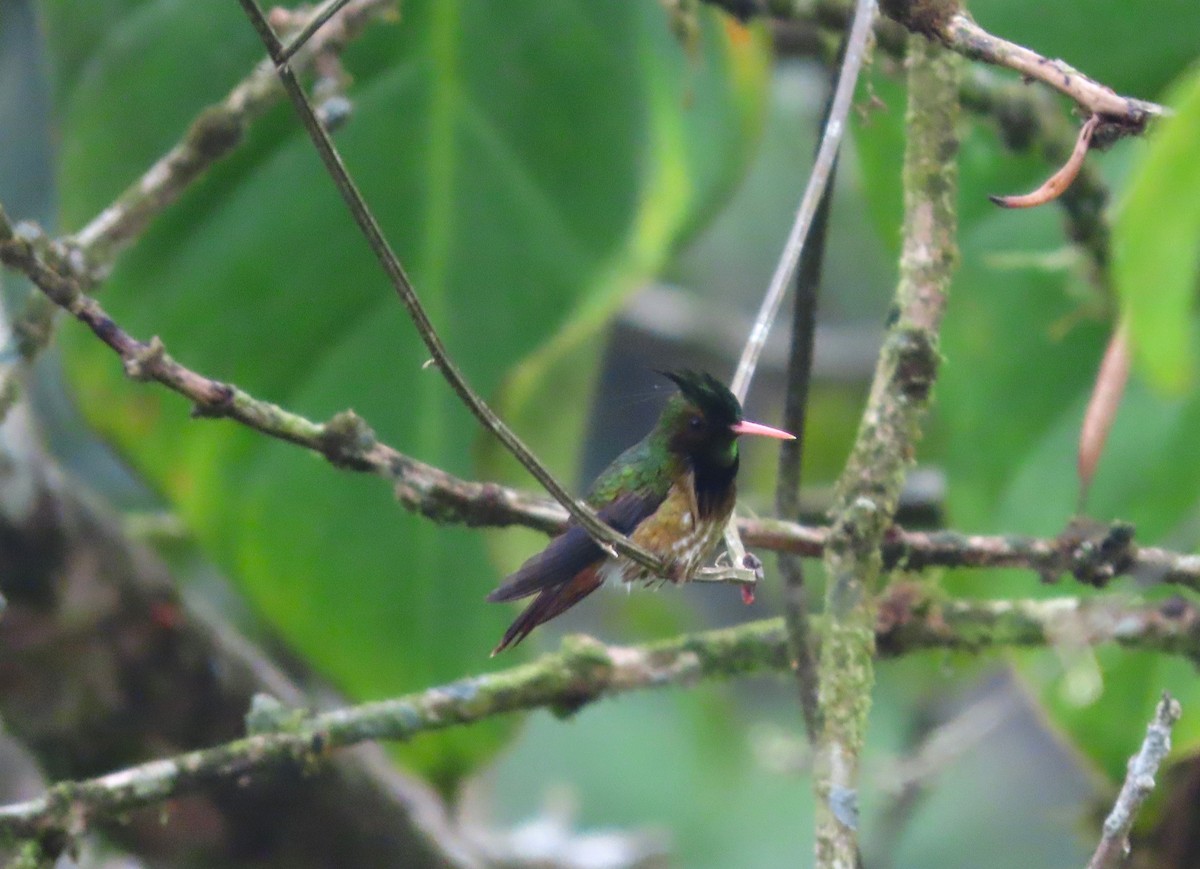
673	534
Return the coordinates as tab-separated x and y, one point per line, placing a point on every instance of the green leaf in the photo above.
1156	244
530	162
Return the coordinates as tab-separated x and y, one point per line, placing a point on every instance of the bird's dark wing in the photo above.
574	550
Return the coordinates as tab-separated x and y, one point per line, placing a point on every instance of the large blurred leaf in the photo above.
1156	243
529	160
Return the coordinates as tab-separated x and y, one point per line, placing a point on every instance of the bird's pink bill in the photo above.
745	427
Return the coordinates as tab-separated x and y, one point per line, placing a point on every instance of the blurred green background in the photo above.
584	191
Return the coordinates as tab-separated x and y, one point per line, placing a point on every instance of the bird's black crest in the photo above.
719	406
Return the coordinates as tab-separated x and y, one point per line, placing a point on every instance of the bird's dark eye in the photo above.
695	423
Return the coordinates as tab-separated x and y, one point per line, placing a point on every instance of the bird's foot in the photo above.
747	577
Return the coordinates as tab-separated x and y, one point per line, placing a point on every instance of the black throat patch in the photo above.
715	488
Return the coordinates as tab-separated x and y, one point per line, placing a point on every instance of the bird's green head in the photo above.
703	421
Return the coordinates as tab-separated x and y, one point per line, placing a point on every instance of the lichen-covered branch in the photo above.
585	670
88	256
1113	849
345	440
869	488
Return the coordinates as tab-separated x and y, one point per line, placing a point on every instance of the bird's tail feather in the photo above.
566	555
550	602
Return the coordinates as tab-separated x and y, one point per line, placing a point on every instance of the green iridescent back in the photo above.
648	467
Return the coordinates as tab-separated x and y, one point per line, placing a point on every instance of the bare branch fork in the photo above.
583	671
948	22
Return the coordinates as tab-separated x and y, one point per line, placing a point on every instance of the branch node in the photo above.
268	715
215	401
927	17
215	132
346	438
1096	553
142	365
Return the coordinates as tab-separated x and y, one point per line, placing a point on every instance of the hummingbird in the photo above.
671	493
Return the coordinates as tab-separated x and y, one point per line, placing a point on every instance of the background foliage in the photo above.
535	164
479	154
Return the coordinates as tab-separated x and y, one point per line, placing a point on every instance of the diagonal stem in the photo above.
315	23
369	226
791	455
831	140
857	43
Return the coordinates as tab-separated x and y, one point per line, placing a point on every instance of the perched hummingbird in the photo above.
671	493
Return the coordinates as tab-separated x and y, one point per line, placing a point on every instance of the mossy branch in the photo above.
583	671
869	488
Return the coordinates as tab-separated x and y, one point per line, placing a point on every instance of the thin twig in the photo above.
831	139
869	487
818	179
1057	184
1027	119
1113	849
791	453
367	224
315	22
960	33
585	671
212	136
